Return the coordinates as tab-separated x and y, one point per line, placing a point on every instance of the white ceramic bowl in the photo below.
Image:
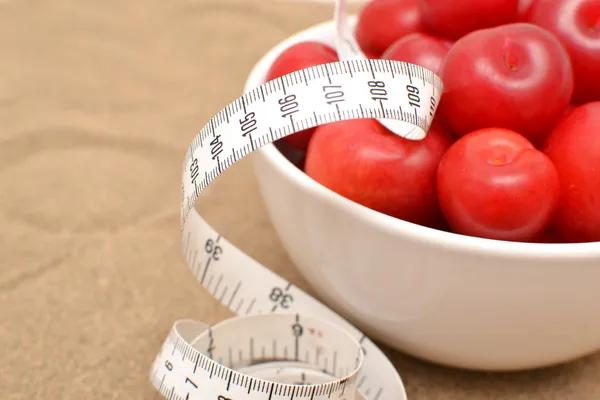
450	299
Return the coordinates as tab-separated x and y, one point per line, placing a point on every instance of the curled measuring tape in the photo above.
283	344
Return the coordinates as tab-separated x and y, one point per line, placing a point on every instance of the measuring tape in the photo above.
283	343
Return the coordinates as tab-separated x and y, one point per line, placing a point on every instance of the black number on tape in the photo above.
413	96
212	250
282	299
333	96
216	147
221	397
194	171
378	91
289	105
432	104
248	123
168	365
297	329
188	380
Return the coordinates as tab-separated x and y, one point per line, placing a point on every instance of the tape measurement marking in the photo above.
382	71
306	95
283	344
348	49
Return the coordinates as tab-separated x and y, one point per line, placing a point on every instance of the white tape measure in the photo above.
283	344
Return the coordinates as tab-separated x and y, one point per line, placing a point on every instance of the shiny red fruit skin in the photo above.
382	22
455	18
492	183
574	148
524	10
516	76
419	48
576	23
371	55
296	57
366	163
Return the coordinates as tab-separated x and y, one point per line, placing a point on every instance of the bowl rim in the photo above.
556	252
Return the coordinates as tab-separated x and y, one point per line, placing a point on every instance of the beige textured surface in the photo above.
98	101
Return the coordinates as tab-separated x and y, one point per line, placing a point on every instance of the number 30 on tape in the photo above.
283	343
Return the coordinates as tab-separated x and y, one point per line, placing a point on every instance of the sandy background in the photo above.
98	102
